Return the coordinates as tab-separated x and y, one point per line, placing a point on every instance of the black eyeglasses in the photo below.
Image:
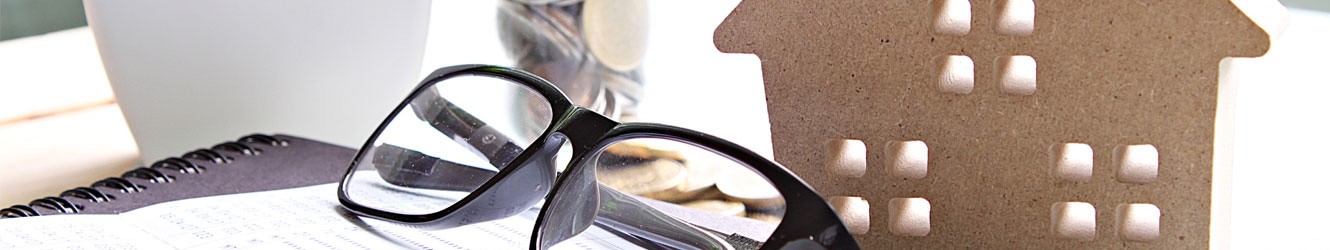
476	143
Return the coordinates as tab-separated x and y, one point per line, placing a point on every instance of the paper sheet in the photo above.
298	218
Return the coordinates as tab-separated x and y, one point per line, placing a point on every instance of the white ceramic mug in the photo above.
189	74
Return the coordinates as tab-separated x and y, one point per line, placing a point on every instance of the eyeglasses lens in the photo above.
453	137
662	191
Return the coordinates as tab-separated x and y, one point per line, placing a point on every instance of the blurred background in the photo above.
61	127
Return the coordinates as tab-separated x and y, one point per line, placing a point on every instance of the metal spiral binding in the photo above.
118	183
180	165
237	147
56	203
207	155
18	211
87	193
149	174
153	174
265	139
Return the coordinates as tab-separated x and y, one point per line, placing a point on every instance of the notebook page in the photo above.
298	218
311	218
95	231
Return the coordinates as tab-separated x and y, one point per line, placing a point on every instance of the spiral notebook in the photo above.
260	192
251	163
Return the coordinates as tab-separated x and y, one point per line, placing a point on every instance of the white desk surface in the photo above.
59	127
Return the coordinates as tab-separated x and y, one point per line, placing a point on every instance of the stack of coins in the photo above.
696	179
590	49
763	201
642	178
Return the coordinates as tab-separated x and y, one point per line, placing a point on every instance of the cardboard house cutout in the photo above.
1004	123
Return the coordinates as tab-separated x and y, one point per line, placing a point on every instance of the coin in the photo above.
615	31
729	208
677	195
640	150
647	177
704	167
751	189
764	217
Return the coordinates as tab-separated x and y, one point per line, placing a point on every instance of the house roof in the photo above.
768	28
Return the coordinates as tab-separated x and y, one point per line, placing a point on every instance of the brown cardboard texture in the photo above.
995	124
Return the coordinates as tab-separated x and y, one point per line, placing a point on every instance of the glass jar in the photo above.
590	49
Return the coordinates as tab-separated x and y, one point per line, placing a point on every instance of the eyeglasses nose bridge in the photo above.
583	129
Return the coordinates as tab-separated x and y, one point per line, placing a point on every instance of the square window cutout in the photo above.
1014	17
951	17
1138	222
907	159
955	74
908	216
1016	74
1073	220
1073	162
853	210
847	157
1136	163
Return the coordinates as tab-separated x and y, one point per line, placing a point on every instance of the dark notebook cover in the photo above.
298	162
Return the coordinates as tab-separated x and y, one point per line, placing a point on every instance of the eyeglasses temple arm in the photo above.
417	170
464	128
622	212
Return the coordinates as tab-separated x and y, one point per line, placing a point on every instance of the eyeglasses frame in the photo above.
509	192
